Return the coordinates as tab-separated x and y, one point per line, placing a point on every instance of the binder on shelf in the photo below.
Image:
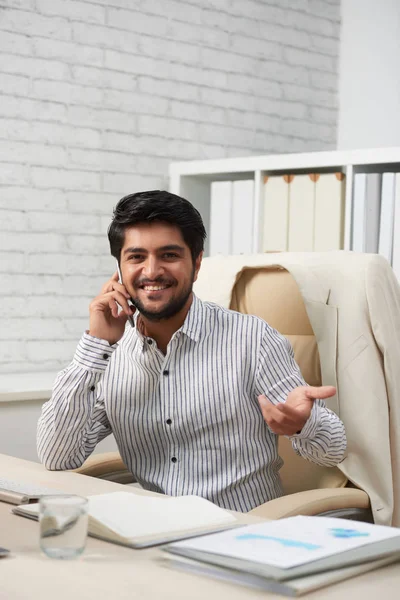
330	189
366	212
396	228
358	224
275	213
220	217
373	210
387	216
242	216
301	213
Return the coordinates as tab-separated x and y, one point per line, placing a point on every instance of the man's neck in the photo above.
162	331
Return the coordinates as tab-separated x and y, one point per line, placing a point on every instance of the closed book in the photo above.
330	191
220	217
293	547
301	213
275	213
387	216
139	521
242	216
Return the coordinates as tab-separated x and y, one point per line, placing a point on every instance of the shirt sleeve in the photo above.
322	439
74	420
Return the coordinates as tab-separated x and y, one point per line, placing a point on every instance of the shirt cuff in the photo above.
310	426
93	353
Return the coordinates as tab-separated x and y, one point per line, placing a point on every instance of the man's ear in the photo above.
197	265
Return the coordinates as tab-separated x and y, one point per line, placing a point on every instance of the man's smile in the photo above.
154	288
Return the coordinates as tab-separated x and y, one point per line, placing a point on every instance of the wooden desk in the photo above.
108	571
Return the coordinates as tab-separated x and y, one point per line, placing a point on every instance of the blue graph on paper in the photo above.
339	532
284	542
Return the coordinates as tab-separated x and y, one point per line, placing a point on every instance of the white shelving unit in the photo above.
192	179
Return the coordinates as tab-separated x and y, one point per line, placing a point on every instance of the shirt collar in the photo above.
194	319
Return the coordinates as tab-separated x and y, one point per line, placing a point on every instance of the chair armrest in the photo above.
313	502
108	465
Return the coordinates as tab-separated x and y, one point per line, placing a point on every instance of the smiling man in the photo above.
194	394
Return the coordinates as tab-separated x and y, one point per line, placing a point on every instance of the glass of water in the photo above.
63	522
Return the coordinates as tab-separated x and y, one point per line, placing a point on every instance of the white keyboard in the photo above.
31	490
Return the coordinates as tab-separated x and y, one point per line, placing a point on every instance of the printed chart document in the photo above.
140	521
293	547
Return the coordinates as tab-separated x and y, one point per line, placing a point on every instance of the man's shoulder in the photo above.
220	313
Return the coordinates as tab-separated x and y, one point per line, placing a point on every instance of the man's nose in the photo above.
152	268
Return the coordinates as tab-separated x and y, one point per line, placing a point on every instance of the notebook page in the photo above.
132	516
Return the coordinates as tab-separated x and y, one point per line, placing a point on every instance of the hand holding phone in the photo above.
106	320
133	307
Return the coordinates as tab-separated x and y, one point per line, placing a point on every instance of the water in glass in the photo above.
63	525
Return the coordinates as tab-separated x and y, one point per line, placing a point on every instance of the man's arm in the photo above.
74	420
296	410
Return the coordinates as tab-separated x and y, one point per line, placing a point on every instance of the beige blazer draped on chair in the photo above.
353	303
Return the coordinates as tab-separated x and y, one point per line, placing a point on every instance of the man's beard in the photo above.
171	309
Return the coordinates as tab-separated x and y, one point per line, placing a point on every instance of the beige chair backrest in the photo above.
273	295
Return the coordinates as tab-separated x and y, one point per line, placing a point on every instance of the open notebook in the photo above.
139	521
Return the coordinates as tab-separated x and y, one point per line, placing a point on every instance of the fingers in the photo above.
114	284
112	300
281	418
323	391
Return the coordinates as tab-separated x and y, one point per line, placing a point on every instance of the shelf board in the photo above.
288	162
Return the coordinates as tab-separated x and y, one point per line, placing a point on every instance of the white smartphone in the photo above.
130	302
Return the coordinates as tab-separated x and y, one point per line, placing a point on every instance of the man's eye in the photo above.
170	255
136	257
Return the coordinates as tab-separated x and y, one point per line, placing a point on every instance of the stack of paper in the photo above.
290	556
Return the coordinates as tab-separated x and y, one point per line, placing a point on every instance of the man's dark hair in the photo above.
160	206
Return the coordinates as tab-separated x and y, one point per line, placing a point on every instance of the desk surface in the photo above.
109	571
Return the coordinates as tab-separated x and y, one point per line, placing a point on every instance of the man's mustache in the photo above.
157	281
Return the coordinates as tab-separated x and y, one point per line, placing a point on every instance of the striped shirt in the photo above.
187	422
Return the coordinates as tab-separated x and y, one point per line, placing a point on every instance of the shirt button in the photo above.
174	459
92	388
166	372
168	421
105	356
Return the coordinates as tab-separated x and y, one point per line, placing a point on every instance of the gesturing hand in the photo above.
290	417
105	321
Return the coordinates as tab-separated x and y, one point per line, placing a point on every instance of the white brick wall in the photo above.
97	97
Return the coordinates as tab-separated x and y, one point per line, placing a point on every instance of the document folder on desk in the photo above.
290	587
139	521
292	547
